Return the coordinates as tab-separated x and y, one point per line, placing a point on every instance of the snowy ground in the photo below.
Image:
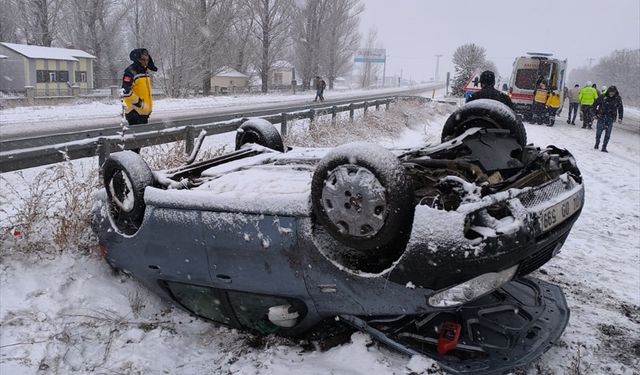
69	314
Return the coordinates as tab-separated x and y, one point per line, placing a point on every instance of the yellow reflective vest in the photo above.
136	84
540	96
553	101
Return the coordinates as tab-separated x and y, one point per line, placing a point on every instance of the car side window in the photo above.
252	310
201	301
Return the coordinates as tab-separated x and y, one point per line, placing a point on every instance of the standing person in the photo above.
323	85
136	86
488	91
553	104
607	107
538	107
574	104
320	85
587	97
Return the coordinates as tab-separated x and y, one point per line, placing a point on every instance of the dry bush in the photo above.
171	155
49	212
373	126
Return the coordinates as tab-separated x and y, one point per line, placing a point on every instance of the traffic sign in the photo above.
474	83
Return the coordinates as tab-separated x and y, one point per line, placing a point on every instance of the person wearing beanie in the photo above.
136	87
608	107
488	91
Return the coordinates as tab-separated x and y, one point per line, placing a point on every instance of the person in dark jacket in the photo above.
136	87
487	91
320	85
608	107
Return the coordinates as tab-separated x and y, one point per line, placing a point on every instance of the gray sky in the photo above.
413	31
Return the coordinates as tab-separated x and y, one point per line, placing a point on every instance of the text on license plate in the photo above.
558	213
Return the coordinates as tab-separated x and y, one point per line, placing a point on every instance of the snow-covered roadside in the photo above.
111	108
91	321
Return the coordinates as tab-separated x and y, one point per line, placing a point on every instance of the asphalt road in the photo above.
16	131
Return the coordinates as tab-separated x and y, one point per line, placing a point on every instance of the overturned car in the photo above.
426	249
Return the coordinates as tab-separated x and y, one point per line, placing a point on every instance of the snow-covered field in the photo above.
68	313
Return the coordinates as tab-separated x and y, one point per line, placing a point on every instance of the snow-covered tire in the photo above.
484	113
126	175
363	197
261	132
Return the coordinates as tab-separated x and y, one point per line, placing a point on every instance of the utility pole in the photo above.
590	59
437	75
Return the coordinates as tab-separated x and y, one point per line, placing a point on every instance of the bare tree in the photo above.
8	21
309	19
39	20
369	71
467	59
621	68
272	24
342	36
94	26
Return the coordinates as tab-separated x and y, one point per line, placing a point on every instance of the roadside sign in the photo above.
474	83
370	56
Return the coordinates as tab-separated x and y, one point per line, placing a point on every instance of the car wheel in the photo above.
260	132
126	175
484	113
363	197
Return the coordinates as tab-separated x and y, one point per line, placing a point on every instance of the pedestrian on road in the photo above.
574	104
488	91
320	85
608	107
587	97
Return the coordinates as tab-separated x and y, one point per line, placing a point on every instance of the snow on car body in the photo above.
265	240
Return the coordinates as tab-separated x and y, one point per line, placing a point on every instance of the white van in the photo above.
527	71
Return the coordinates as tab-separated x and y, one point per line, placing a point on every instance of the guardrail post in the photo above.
366	106
386	105
283	123
104	149
377	105
189	135
334	111
351	111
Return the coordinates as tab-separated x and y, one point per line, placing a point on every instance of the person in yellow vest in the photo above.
553	104
538	107
136	87
587	97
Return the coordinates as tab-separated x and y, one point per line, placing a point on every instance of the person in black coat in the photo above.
487	91
608	107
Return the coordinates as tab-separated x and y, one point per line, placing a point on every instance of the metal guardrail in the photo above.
102	145
38	151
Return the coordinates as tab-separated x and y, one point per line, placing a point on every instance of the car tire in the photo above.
260	132
126	175
363	197
485	113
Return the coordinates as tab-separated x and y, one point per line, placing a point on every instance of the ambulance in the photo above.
527	72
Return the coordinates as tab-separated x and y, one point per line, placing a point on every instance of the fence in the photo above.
21	157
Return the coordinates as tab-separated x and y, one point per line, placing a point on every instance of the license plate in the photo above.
558	213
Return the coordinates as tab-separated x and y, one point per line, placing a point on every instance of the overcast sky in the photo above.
413	31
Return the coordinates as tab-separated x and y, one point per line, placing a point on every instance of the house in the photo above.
229	80
51	71
281	73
